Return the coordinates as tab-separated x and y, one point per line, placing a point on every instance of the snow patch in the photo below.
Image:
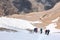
33	22
55	20
13	22
52	28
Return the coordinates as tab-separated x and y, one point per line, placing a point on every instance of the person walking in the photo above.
47	32
41	30
35	30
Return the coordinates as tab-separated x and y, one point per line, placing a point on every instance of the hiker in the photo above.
41	30
36	30
47	32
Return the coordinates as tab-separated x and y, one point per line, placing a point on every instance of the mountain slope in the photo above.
9	7
45	16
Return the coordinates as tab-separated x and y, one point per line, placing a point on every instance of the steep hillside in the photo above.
9	7
45	16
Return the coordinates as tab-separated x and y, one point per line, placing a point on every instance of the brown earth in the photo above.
46	16
8	7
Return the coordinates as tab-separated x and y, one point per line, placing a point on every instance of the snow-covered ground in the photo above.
24	34
18	23
56	20
24	24
52	26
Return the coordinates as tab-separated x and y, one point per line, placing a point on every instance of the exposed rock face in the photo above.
48	4
23	5
9	7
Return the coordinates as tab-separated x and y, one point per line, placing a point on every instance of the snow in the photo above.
55	20
53	25
33	22
18	23
24	24
24	34
52	28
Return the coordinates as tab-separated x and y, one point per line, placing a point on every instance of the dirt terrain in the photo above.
46	16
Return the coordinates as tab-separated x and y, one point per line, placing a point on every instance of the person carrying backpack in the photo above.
47	32
35	30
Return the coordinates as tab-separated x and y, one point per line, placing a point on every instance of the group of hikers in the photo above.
47	31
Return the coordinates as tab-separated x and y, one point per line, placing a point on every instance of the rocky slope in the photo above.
9	7
46	16
35	9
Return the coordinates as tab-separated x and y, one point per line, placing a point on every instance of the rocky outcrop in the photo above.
9	7
48	4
